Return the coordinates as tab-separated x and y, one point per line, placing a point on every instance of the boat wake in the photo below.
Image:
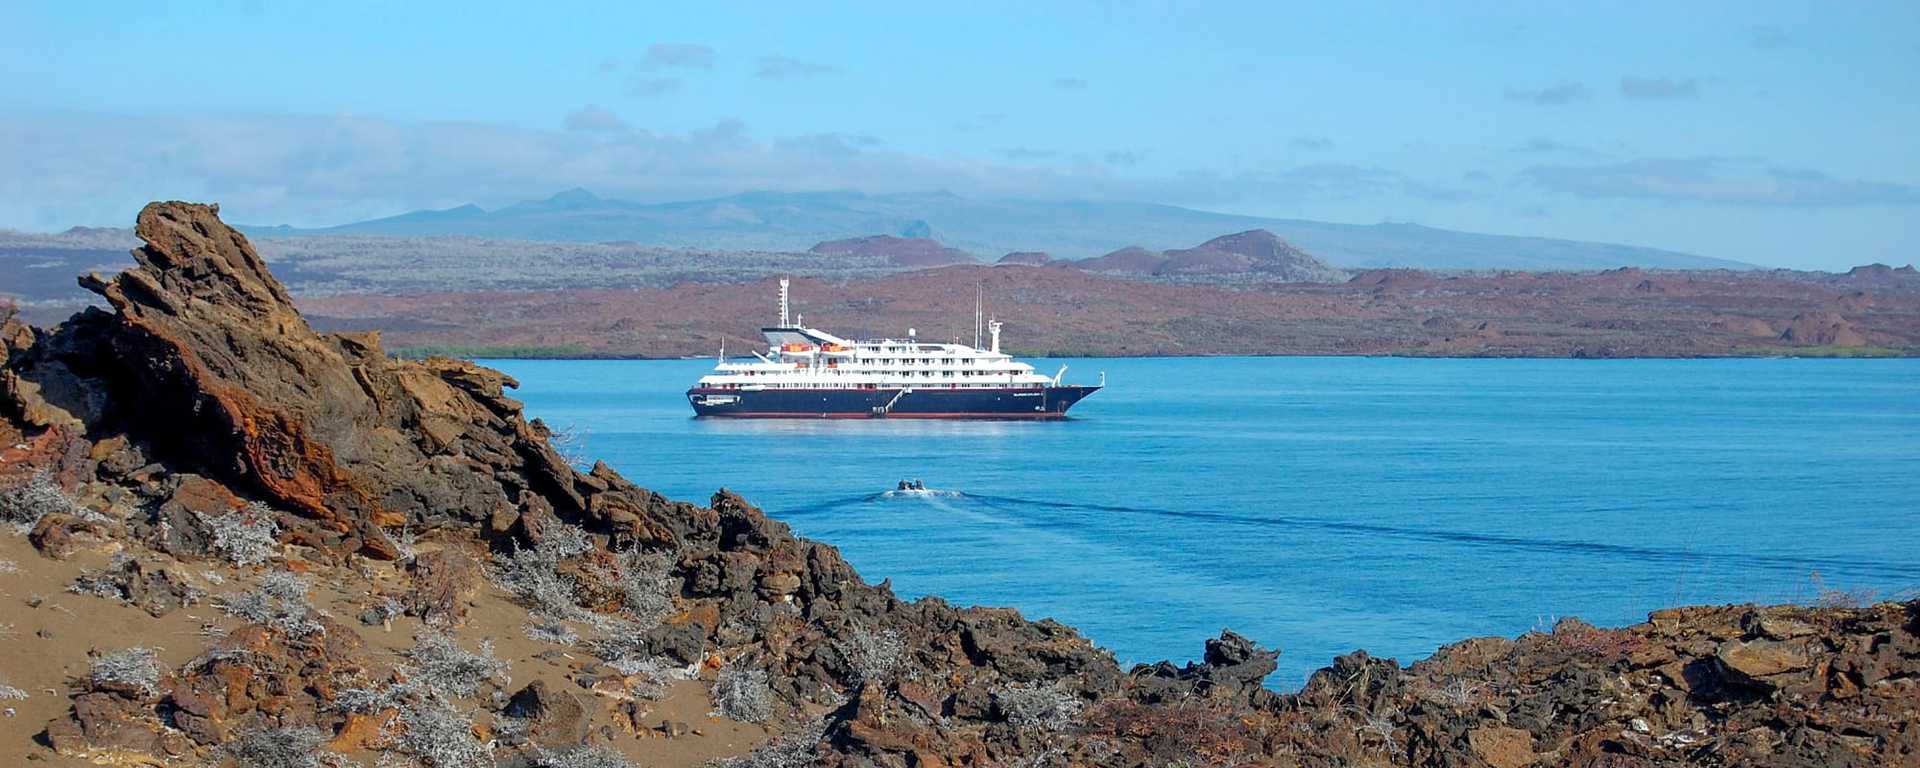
1880	569
1788	563
918	493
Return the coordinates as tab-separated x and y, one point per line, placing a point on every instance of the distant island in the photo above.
1251	292
1075	229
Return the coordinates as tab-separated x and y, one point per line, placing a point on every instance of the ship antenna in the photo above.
979	304
783	302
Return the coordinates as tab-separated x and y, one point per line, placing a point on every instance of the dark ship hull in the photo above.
913	403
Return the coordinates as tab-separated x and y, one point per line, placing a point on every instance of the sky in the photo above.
1781	134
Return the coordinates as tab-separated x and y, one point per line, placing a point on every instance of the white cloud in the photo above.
1725	180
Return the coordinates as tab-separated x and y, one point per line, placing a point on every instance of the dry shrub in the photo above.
1192	731
442	582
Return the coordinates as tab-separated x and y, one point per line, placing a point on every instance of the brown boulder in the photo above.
555	718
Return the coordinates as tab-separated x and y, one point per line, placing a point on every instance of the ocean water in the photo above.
1325	504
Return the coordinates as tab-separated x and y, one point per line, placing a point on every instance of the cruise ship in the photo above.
809	373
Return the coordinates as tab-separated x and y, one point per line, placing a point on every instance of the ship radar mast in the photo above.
783	303
993	330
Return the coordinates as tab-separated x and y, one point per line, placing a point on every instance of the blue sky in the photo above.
1781	134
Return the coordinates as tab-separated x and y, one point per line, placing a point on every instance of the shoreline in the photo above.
1838	354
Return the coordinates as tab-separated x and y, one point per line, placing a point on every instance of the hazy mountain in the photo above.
1254	252
902	251
794	221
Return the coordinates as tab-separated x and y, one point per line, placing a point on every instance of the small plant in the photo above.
135	668
797	749
1033	705
1832	597
289	747
647	587
655	675
279	601
23	505
8	567
383	613
439	737
550	630
742	694
10	693
96	584
443	667
245	538
1381	728
872	656
570	441
584	756
533	574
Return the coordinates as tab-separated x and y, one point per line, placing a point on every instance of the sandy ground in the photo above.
46	634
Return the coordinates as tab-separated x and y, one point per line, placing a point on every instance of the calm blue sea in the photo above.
1326	504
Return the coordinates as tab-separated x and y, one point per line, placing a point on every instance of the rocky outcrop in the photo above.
206	364
1824	329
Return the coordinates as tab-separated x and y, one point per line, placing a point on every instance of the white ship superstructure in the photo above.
888	377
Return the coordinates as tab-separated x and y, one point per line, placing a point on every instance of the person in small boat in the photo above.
919	486
904	486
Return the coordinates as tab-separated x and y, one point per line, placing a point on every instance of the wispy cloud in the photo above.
679	56
980	122
1027	154
65	169
646	86
1541	145
594	119
1659	88
1566	92
1769	38
1314	143
1720	180
789	68
1069	83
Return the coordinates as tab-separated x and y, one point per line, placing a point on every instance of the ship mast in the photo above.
783	303
979	304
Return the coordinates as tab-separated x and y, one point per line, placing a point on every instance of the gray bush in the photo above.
245	538
533	574
279	601
742	694
23	505
872	656
1033	705
135	667
8	692
797	749
289	747
584	756
383	613
655	676
647	587
551	630
444	668
440	737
